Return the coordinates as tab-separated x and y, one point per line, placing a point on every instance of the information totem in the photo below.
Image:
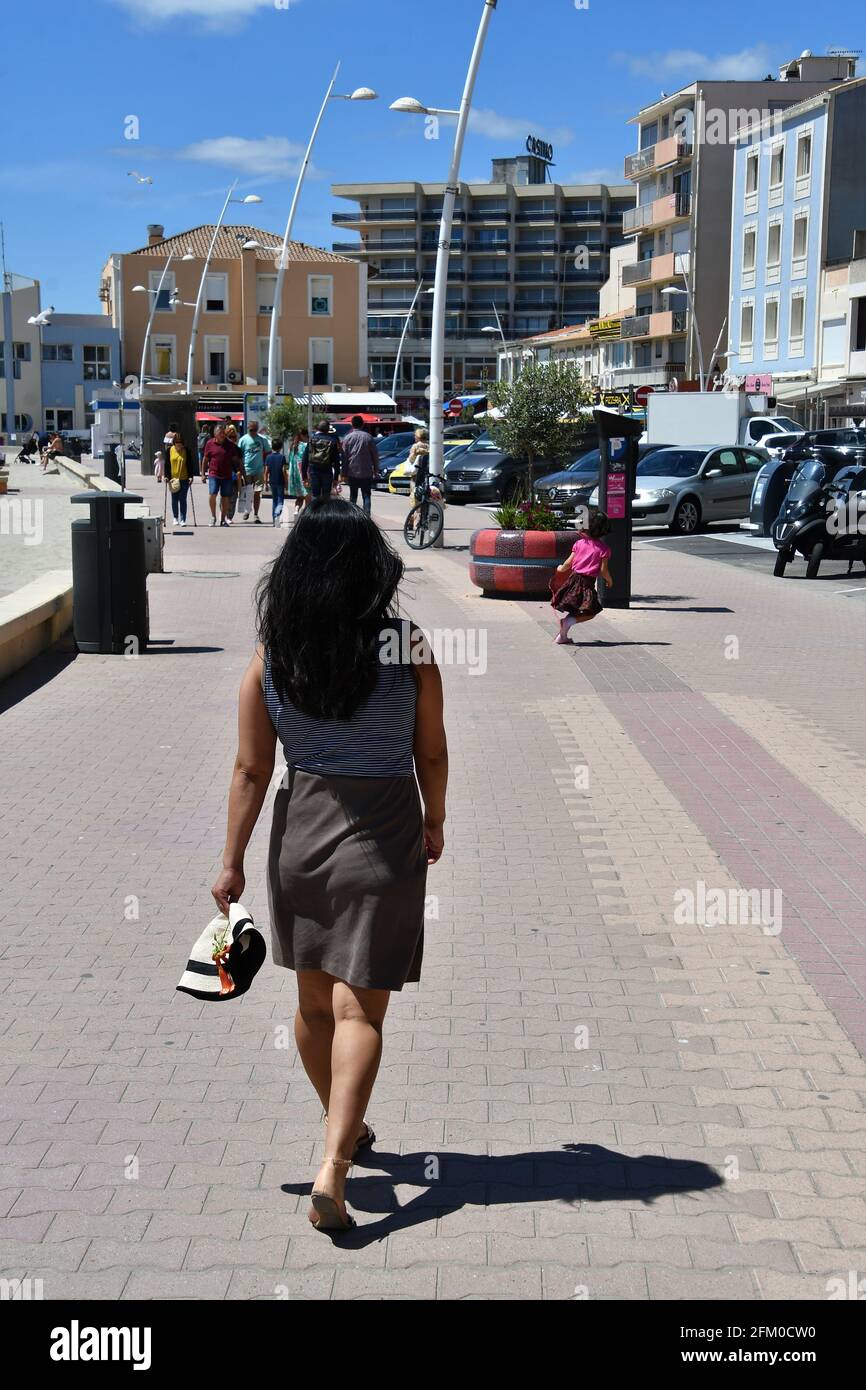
618	437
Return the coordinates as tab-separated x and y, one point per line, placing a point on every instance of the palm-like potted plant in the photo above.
544	416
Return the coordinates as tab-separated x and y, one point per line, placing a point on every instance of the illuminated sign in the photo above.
605	328
540	148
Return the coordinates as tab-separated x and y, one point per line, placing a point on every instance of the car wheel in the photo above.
783	559
815	558
687	517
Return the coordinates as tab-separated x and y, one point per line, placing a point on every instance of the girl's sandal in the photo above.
326	1208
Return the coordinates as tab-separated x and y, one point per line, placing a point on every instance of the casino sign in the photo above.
541	148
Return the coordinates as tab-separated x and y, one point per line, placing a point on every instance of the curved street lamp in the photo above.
411	106
193	332
154	294
359	94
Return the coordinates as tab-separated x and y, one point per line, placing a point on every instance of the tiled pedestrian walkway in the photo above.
590	1094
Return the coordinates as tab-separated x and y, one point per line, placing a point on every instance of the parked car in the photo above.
392	450
573	486
484	473
834	448
684	489
452	433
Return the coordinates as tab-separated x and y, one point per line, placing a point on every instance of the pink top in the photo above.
587	556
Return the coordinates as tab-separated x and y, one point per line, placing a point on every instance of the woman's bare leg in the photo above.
358	1015
314	1029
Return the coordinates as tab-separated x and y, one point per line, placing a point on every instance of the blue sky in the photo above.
229	88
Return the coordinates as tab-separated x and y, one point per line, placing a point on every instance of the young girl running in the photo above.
575	595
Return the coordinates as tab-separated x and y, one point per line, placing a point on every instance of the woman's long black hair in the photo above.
322	606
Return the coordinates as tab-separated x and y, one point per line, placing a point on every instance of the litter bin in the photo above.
109	584
110	466
768	494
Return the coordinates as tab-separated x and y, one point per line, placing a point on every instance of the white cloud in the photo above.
273	156
490	123
749	64
215	13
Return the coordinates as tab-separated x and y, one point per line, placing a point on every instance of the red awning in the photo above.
205	416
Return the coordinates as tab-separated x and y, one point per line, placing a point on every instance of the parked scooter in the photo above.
823	519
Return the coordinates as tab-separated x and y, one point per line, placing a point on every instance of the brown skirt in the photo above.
577	596
347	877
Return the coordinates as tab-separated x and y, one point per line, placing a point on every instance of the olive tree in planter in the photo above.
544	416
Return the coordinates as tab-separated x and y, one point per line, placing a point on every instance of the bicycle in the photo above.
424	522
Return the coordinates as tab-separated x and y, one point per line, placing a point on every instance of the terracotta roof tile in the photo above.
228	245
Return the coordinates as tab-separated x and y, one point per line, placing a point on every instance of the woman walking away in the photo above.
179	478
275	469
574	594
296	486
355	698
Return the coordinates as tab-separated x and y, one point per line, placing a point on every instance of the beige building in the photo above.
323	324
683	174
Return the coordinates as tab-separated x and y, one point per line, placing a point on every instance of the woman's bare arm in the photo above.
431	753
253	770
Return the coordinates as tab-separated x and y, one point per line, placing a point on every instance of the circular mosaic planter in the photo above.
516	562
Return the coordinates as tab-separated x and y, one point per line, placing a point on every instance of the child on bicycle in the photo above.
574	595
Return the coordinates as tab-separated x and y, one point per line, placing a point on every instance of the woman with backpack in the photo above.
323	460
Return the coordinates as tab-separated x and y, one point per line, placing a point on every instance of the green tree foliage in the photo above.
544	414
284	419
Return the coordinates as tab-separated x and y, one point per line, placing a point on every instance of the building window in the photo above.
804	155
747	328
97	362
321	360
777	166
216	294
858	313
58	419
774	244
266	288
801	236
56	352
162	356
321	292
21	352
164	303
797	327
752	172
771	321
749	240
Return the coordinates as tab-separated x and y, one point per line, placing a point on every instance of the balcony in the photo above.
488	215
396	275
373	215
530	216
663	324
652	270
571	215
491	247
529	248
543	276
658	213
488	276
659	156
435	215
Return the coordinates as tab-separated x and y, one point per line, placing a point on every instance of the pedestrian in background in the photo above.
179	477
573	582
255	448
323	459
360	463
232	437
338	680
275	469
296	470
220	462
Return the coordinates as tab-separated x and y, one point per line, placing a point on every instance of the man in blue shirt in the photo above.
255	449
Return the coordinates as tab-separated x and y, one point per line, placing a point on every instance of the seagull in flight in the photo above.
44	318
139	178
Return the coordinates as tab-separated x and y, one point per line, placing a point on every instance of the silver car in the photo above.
684	489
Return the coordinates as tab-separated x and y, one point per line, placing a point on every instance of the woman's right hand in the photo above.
228	888
434	840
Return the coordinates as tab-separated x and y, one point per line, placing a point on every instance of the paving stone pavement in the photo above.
590	1094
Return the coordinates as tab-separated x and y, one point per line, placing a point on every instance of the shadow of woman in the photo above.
450	1181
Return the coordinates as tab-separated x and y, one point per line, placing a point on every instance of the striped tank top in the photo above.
377	741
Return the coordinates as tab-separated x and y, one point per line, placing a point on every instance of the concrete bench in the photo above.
33	618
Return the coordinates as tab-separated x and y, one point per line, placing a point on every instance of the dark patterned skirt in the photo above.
576	596
347	875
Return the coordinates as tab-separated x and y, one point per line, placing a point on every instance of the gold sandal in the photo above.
325	1206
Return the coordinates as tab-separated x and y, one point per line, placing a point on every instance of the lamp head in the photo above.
187	256
251	198
139	289
410	105
364	94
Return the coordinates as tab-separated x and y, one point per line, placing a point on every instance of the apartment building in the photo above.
323	327
80	357
532	252
683	175
798	242
20	382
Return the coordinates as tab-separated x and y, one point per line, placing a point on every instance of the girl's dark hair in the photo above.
322	606
277	445
597	526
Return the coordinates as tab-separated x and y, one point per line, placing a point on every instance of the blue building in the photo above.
80	356
799	198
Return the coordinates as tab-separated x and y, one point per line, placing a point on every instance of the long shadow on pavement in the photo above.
574	1173
35	674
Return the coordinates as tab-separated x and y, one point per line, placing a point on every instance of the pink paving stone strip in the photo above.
770	831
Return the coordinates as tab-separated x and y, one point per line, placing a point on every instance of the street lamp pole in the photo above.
440	283
199	299
403	339
360	94
155	298
693	318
